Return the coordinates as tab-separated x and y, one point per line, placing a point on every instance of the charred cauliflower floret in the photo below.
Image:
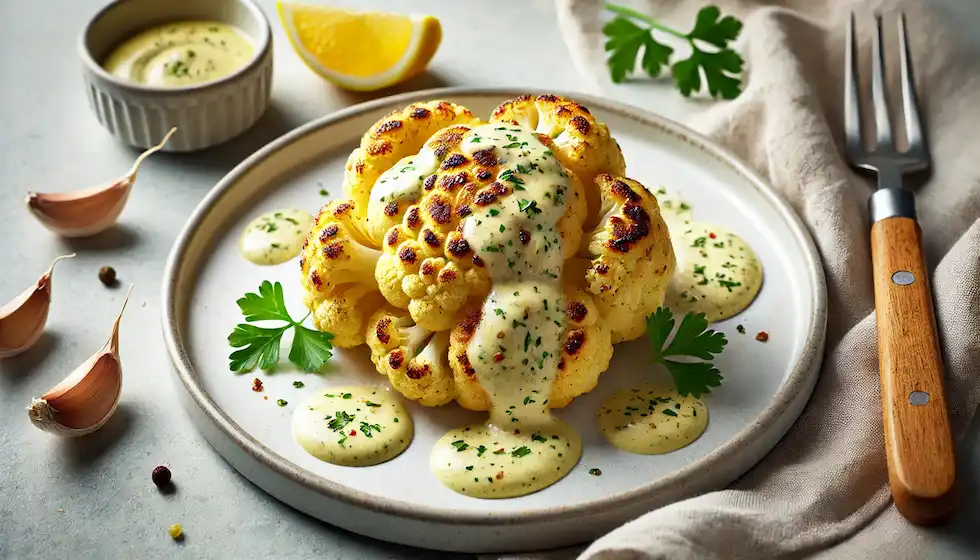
428	267
583	144
400	134
415	361
585	353
630	256
338	265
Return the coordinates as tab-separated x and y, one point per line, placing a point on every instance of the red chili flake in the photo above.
500	475
762	336
353	432
498	357
501	450
517	431
257	385
711	235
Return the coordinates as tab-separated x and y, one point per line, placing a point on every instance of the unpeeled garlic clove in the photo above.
85	400
22	319
89	211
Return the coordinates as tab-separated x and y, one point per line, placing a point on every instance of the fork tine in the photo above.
852	107
910	101
883	129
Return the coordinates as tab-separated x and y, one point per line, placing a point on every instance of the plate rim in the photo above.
798	384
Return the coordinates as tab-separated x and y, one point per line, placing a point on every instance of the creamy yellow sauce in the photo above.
275	237
403	183
717	273
516	347
181	54
651	419
488	462
353	426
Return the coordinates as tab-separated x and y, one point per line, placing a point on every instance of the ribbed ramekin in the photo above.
205	114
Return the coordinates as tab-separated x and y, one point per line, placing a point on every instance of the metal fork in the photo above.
918	443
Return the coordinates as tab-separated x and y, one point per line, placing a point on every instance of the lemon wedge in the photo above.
360	51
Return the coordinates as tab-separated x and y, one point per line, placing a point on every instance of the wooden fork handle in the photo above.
918	441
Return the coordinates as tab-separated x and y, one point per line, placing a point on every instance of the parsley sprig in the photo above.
259	346
692	339
720	65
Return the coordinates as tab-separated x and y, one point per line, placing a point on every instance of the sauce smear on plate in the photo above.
275	237
353	426
651	419
717	273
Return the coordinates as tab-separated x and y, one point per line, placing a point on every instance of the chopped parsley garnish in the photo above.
538	437
699	242
374	404
669	412
520	452
340	421
460	445
282	402
345	396
298	384
480	450
530	207
369	429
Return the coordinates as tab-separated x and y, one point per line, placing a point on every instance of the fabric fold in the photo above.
827	478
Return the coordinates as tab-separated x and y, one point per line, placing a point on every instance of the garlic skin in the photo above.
86	212
22	319
85	400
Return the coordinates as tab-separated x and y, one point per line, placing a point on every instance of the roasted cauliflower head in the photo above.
415	361
404	265
427	265
630	258
338	262
583	144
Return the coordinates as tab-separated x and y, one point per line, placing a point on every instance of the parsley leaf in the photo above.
692	339
310	348
258	346
719	64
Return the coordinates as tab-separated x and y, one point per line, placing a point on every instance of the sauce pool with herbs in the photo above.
181	54
651	419
717	273
275	237
353	426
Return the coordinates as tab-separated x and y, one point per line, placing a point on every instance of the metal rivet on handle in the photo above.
918	398
903	278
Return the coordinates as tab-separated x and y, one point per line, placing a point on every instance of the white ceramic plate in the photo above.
765	387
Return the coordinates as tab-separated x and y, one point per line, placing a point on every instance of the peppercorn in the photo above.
176	532
161	476
107	275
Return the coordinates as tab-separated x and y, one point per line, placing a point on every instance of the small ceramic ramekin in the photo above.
204	114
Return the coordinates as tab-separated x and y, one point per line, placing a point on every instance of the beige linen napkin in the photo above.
827	478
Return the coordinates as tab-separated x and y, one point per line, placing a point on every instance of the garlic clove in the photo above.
22	319
88	211
85	400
